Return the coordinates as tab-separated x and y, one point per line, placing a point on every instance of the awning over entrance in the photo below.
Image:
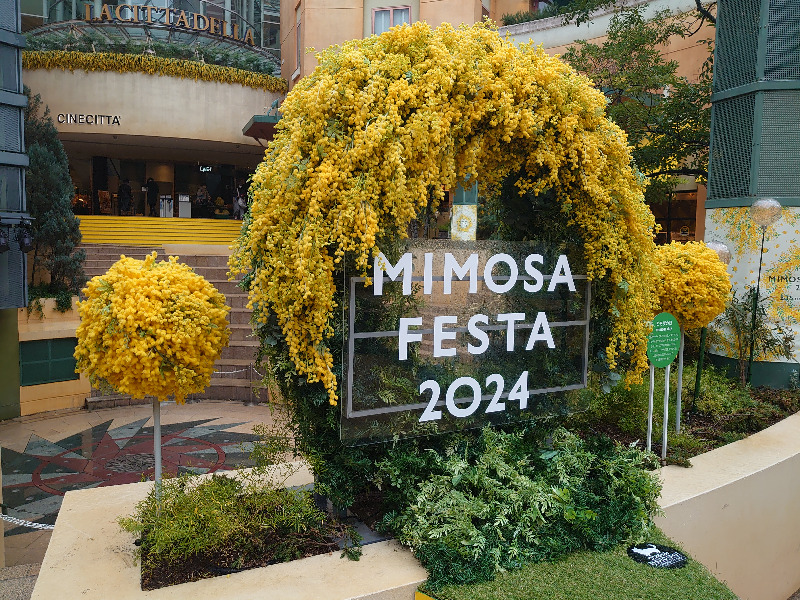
261	127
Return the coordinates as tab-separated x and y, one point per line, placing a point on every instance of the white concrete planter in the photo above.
735	510
91	558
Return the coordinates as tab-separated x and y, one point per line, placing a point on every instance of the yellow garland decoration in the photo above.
382	121
151	328
694	284
151	65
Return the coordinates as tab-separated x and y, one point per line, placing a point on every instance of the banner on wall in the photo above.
779	290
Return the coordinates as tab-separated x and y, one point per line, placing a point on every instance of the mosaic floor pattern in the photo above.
35	481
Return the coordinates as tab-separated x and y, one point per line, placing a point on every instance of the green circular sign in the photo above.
664	342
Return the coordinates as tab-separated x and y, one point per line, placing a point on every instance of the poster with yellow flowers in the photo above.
779	289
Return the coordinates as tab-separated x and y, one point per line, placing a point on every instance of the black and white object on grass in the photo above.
658	556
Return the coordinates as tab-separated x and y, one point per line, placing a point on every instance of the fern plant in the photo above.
496	503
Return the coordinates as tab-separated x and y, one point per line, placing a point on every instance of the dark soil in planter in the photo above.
267	550
368	507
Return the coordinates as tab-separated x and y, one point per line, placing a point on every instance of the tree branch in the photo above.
705	12
684	171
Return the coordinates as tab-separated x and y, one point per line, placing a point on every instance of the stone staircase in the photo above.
235	377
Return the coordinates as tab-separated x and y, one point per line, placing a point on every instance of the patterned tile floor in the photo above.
44	456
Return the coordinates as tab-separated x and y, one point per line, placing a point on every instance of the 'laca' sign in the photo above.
462	334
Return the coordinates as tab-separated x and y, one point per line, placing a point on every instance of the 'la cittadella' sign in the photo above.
463	334
171	17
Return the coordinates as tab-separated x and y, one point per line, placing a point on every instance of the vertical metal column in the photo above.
680	386
666	416
650	409
157	439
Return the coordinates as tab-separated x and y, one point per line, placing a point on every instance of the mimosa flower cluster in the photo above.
151	329
384	122
694	284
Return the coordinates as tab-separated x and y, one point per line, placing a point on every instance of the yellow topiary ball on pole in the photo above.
694	284
151	329
694	287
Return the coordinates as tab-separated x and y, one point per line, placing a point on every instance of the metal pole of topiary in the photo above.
725	256
679	391
764	213
157	442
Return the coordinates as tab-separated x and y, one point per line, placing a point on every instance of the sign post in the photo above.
662	348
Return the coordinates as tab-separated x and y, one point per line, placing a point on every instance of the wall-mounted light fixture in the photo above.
24	236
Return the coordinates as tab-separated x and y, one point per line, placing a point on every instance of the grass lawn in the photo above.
608	575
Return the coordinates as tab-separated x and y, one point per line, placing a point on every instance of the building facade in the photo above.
169	131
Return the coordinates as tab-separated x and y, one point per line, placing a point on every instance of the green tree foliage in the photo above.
666	116
49	189
581	11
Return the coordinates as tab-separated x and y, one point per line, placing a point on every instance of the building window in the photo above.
47	361
677	217
384	18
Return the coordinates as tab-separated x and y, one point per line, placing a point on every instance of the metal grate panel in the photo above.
10	188
8	15
13	290
47	361
9	68
732	132
737	44
779	174
10	129
783	40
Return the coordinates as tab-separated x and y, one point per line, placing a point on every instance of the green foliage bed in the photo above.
609	575
498	502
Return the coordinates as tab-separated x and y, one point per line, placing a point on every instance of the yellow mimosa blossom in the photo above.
151	328
694	284
384	122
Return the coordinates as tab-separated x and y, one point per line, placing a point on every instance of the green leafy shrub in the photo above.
554	8
91	41
738	333
192	527
495	503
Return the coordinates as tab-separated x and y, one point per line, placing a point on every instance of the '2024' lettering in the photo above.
519	392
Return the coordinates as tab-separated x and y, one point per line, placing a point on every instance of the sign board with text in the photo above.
664	341
454	334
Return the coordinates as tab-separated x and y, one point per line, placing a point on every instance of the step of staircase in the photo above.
151	231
